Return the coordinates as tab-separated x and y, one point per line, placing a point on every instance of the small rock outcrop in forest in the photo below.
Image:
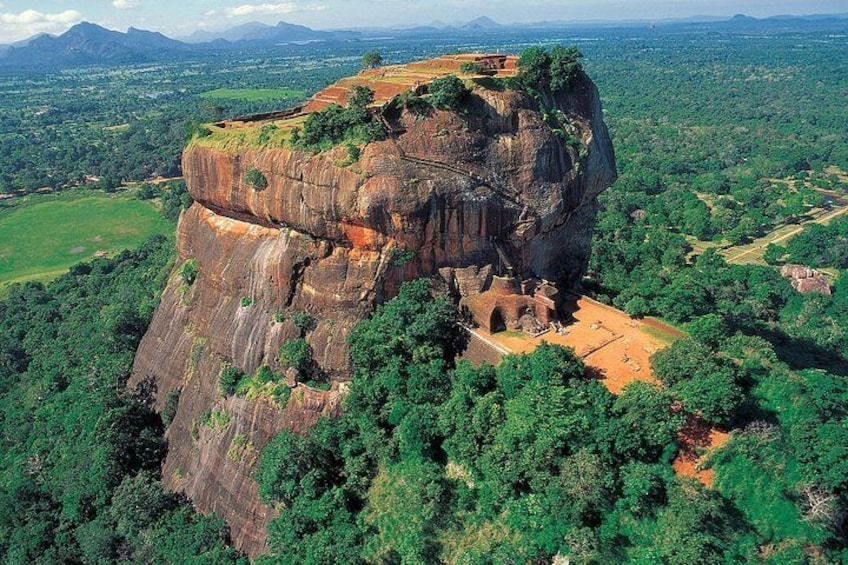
285	244
804	279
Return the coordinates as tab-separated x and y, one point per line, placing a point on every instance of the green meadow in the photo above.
41	236
253	94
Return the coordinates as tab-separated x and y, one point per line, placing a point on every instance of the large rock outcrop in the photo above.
461	194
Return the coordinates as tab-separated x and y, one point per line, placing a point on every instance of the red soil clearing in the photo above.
696	438
609	341
391	80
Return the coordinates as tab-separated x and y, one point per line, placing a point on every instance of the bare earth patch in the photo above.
618	347
697	439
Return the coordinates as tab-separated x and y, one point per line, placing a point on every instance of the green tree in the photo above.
286	462
534	66
371	59
189	271
137	503
255	179
229	379
695	527
470	68
564	67
710	329
297	354
680	362
773	253
643	488
648	422
713	394
406	506
448	93
360	96
706	382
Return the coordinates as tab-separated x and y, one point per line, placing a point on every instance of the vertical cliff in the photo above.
453	194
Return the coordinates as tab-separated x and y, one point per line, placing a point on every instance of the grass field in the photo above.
254	94
236	137
41	236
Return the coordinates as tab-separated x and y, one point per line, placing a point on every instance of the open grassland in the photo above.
41	236
253	94
236	136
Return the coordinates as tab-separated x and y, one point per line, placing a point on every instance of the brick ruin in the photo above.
511	304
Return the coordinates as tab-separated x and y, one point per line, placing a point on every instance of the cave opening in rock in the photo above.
497	322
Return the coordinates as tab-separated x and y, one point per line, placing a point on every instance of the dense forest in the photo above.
432	462
80	456
722	146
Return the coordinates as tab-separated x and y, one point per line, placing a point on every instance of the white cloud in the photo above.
30	22
265	8
122	4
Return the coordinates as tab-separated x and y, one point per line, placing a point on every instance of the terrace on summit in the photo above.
386	82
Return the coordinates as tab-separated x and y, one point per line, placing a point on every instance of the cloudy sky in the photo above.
22	18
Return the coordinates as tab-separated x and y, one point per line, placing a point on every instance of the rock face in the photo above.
458	194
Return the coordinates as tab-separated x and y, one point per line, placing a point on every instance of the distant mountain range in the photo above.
88	43
255	32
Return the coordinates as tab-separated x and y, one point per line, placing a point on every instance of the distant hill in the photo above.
483	23
259	33
87	43
21	43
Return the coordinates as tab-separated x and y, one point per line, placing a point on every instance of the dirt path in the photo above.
481	336
820	220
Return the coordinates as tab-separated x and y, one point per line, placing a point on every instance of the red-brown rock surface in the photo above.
325	238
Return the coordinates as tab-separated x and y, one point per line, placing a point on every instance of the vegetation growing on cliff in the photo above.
334	124
188	272
256	179
80	455
432	462
296	354
556	69
448	93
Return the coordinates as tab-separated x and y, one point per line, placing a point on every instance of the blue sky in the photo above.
23	18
